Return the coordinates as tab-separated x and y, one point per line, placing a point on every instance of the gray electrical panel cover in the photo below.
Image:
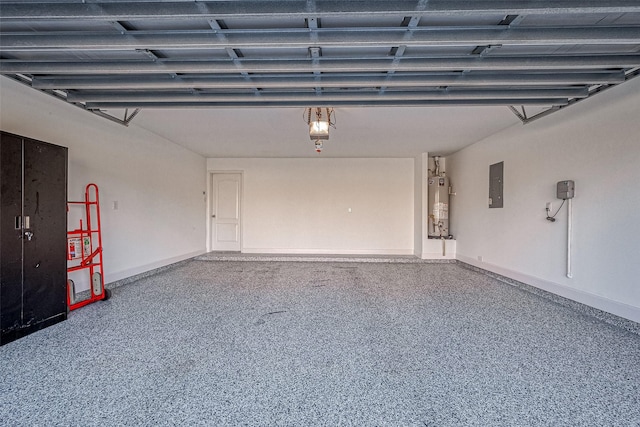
496	172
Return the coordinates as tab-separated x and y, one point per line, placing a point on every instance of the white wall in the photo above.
158	185
596	143
301	205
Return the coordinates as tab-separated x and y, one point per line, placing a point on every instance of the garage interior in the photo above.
333	303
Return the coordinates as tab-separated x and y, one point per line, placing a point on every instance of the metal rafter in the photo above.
635	72
325	64
410	22
333	103
234	54
352	80
118	10
315	52
410	95
388	37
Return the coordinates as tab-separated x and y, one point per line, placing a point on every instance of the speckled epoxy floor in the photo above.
295	343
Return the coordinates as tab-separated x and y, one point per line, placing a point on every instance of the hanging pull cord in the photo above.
552	218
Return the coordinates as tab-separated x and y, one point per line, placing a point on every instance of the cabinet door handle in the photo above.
18	222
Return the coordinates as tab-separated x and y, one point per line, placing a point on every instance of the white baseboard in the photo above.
617	308
437	255
297	251
123	274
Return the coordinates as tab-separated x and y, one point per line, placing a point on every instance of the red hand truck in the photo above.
84	250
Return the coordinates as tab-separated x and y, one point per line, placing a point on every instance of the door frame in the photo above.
210	196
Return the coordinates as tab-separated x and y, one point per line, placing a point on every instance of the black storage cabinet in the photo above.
33	235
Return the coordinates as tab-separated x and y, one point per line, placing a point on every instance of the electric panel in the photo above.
496	174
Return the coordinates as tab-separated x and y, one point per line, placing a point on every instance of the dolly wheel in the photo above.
107	294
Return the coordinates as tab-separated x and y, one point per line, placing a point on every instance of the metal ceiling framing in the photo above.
106	55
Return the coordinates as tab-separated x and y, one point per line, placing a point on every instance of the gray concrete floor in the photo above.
333	343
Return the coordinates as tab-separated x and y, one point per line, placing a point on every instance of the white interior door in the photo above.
225	211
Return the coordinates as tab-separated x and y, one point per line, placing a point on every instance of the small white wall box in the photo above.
566	189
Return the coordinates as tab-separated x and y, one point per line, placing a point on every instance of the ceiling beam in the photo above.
310	97
333	103
409	64
303	38
266	81
117	10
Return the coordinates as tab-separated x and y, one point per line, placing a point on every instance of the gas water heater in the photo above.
438	208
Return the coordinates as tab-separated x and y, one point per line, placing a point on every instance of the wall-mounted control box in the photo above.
566	189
